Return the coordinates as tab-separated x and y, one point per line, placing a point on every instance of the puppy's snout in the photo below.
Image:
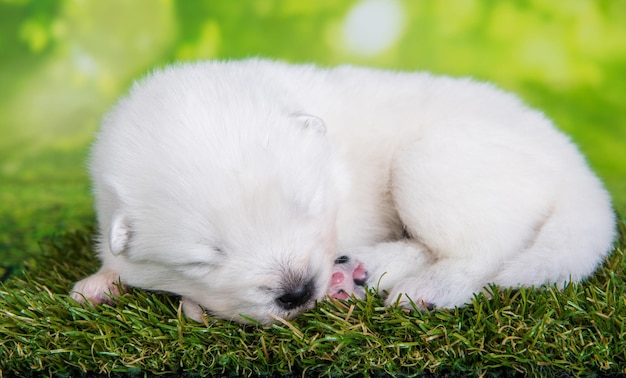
297	296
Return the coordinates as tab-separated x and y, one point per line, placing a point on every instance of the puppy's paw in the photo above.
408	296
349	278
192	309
97	288
427	294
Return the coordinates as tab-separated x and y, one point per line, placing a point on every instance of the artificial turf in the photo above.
580	330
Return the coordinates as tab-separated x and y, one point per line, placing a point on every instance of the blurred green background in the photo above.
63	64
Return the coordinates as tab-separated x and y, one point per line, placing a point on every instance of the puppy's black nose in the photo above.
297	297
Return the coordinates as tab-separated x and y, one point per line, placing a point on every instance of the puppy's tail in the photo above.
574	240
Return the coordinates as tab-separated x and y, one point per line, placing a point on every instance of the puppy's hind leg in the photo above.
471	211
379	267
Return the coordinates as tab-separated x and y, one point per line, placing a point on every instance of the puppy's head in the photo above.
239	218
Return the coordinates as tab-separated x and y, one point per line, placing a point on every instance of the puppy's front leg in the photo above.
192	309
100	287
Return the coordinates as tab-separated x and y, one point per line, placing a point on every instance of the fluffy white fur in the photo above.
237	184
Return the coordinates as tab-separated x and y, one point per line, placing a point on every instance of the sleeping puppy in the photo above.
237	185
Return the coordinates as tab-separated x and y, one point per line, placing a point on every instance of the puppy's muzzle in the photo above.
296	296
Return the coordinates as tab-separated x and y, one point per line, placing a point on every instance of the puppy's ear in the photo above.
311	122
120	233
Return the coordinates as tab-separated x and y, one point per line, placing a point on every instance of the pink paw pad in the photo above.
359	275
342	288
337	278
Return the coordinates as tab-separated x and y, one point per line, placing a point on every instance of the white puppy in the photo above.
237	184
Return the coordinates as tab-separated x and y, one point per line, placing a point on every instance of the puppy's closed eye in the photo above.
207	257
197	269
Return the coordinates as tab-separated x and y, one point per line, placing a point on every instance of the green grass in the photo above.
580	330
